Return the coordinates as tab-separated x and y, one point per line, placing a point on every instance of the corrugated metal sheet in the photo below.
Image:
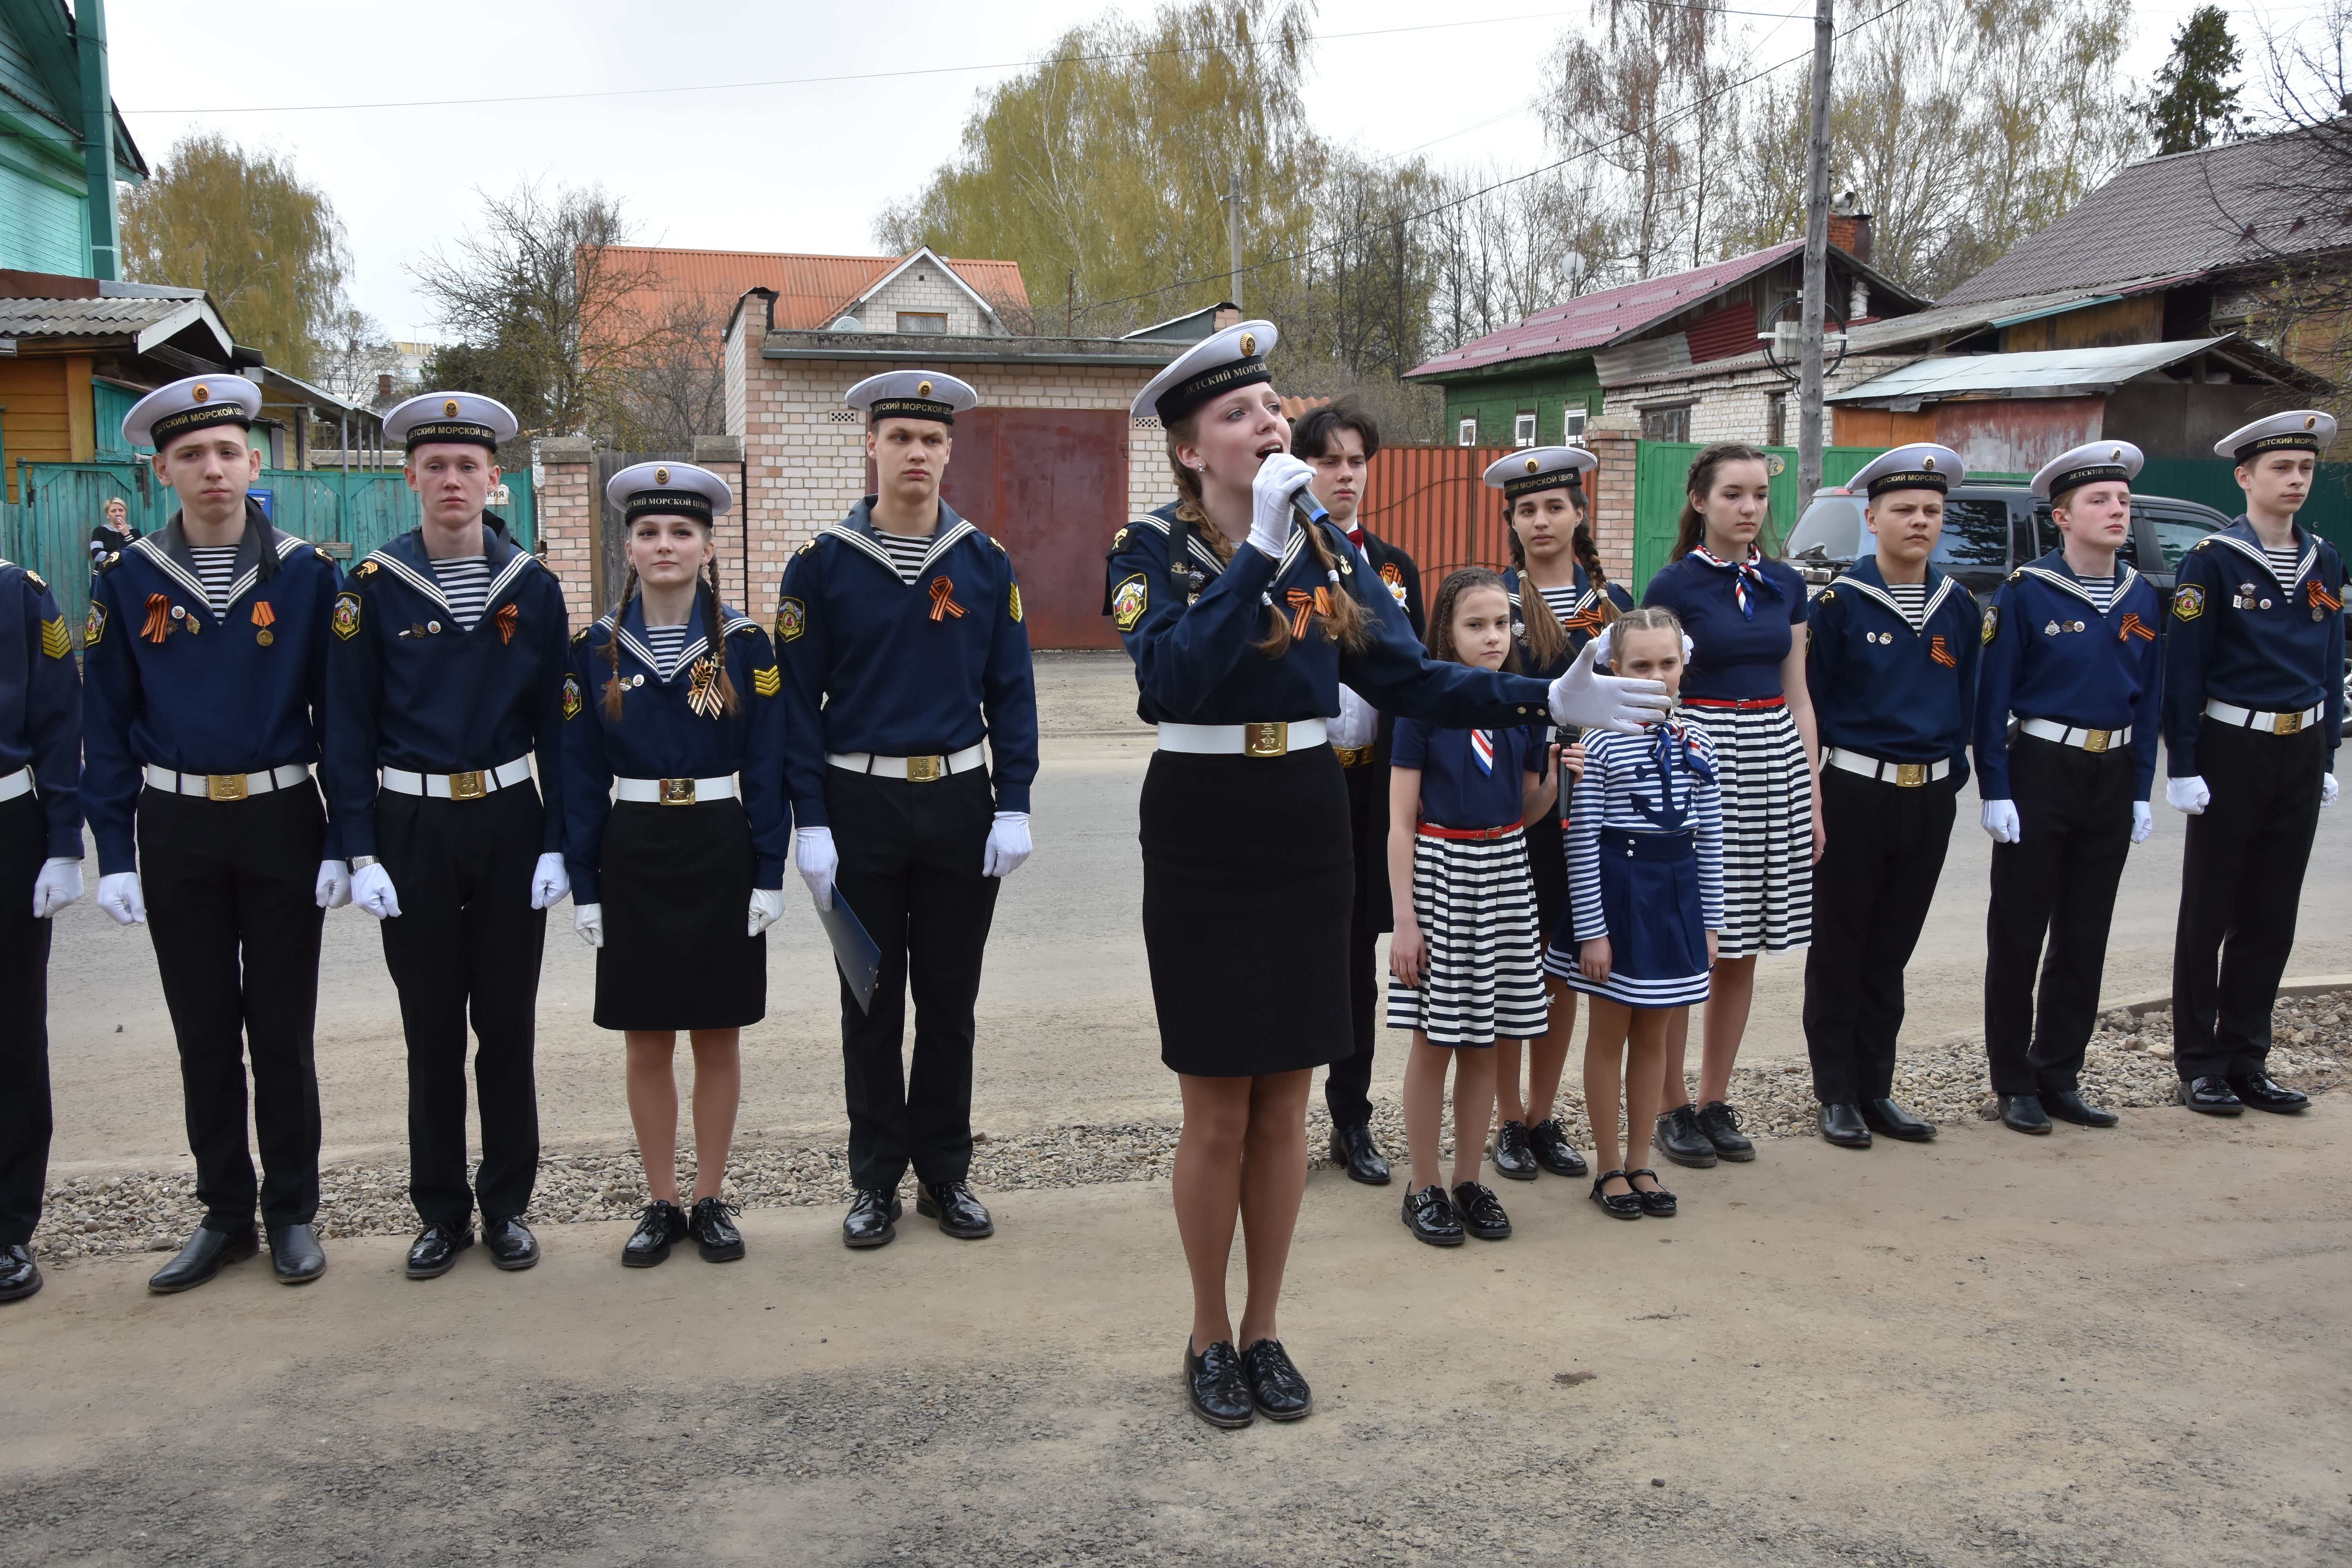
83	318
2044	373
811	290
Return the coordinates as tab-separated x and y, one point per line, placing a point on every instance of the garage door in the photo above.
1050	484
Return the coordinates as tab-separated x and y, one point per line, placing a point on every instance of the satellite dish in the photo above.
847	324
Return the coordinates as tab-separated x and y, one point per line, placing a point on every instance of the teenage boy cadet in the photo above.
205	657
445	674
1892	671
2254	711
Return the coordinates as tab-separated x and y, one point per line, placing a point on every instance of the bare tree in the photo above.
355	351
2305	81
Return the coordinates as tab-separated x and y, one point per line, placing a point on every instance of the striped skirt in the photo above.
1476	910
1768	828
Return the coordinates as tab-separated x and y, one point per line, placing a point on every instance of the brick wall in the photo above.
1613	438
925	287
568	507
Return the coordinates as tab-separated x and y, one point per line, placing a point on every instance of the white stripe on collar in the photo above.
644	655
2255	553
1926	611
2124	578
946	541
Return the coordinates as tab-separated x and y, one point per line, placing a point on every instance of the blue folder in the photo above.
859	956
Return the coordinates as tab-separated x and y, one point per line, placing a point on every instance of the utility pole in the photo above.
1234	240
1817	264
1070	321
97	137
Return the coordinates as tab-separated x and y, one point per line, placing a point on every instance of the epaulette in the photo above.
109	559
1118	541
2018	575
365	569
323	555
806	545
1826	597
580	637
35	579
738	626
2202	542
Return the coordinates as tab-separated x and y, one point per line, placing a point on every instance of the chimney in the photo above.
1849	228
1228	314
383	387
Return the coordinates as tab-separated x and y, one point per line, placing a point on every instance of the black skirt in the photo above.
1248	881
676	886
1548	867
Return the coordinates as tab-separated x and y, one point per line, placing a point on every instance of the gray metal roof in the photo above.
86	318
2051	374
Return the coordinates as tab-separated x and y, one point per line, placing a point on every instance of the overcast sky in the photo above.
784	167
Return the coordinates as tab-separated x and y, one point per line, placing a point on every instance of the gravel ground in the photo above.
2129	1066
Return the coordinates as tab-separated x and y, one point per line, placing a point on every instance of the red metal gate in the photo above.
1050	484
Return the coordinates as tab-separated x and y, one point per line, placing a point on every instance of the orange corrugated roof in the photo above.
811	290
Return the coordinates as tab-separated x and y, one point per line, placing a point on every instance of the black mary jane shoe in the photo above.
1429	1215
1353	1150
1656	1201
1616	1205
712	1225
295	1254
435	1251
2211	1096
207	1253
1678	1138
1842	1125
19	1276
2068	1105
658	1228
2023	1113
2256	1089
1482	1213
872	1219
1553	1151
1887	1118
1720	1123
960	1214
511	1245
1275	1387
1514	1160
1216	1386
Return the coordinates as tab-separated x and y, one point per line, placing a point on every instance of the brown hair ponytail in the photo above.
613	647
1343	618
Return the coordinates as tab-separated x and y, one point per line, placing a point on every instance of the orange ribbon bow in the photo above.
943	599
507	618
1587	619
1940	653
2133	626
159	617
2319	598
1304	605
263	616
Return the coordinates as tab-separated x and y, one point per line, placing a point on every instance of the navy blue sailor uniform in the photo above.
205	724
453	718
890	687
1894	705
40	820
2065	729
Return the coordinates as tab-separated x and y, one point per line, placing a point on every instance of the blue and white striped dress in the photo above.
1644	847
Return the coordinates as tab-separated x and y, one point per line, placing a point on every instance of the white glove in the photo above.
1359	723
2189	794
1999	818
588	919
118	895
2326	789
812	851
334	888
372	891
1008	845
767	909
551	884
1279	478
59	885
2143	821
1592	701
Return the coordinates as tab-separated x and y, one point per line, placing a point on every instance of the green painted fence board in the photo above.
1661	469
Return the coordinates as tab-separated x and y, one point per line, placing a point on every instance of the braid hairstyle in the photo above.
613	647
1467	579
707	586
1589	553
1344	622
1546	640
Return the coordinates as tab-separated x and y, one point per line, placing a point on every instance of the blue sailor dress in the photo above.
1644	866
1579	612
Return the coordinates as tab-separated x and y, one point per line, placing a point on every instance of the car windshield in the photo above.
1834	522
2179	535
1976	533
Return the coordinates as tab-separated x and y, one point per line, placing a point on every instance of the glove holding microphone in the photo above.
1277	495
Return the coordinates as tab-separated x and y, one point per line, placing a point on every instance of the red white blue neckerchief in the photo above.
1742	574
1482	751
1676	744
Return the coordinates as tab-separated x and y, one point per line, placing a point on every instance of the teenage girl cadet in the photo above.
1241	625
1551	547
1465	963
1747	689
1645	898
674	727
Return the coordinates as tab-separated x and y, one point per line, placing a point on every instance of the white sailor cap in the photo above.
1540	468
466	418
2299	430
1922	466
911	394
678	488
1216	364
191	404
2095	462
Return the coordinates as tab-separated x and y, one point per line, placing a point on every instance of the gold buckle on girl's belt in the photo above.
1910	775
1354	756
1272	740
224	786
678	792
467	785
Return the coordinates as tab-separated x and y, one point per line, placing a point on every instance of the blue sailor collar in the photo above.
167	551
857	531
2052	569
2240	536
405	558
629	631
1865	577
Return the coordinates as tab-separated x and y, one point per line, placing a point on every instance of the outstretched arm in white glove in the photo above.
814	853
1279	478
551	884
371	890
2143	821
119	896
59	885
1591	701
334	886
767	909
2189	794
1008	845
1999	818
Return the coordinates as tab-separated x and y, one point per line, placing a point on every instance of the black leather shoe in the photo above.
1720	1123
960	1214
661	1225
2023	1113
513	1246
1616	1205
19	1276
1888	1120
1514	1160
872	1219
1275	1387
2255	1090
712	1225
434	1252
2211	1095
1482	1213
1216	1386
1352	1150
295	1254
1656	1201
1549	1140
1429	1215
2068	1105
1843	1126
206	1254
1678	1138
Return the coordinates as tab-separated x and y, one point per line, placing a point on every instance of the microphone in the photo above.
1308	510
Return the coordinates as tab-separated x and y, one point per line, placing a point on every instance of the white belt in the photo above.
2266	724
459	786
673	791
915	770
224	786
1272	740
16	783
2085	739
1903	775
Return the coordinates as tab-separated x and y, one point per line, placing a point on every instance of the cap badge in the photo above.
200	392
923	389
1929	464
448	408
661	475
1533	465
1249	343
2310	420
2117	455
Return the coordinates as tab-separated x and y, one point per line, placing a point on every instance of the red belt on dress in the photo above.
1431	830
1735	702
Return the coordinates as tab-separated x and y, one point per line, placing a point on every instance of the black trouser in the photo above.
1347	1082
23	1021
2241	882
910	872
232	907
2074	813
466	940
1871	891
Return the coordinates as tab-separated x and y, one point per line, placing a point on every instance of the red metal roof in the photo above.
811	290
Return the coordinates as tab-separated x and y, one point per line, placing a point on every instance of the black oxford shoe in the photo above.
658	1228
19	1276
295	1255
1353	1149
1216	1386
1843	1126
2211	1095
1553	1151
1677	1137
872	1218
1429	1215
2023	1113
206	1254
1275	1387
435	1251
513	1246
1482	1213
960	1214
1720	1122
1514	1160
713	1228
2255	1090
1889	1119
2068	1105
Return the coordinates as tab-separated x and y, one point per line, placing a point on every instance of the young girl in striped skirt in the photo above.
1464	962
1645	904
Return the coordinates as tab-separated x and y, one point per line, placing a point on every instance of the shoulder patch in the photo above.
323	555
346	620
55	641
1826	597
2188	600
573	705
580	637
806	545
109	561
792	617
2202	542
1128	601
1991	622
768	682
94	628
1118	541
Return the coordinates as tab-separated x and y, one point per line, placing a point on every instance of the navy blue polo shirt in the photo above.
1454	791
1735	657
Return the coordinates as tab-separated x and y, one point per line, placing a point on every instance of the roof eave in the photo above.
1548	360
910	348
